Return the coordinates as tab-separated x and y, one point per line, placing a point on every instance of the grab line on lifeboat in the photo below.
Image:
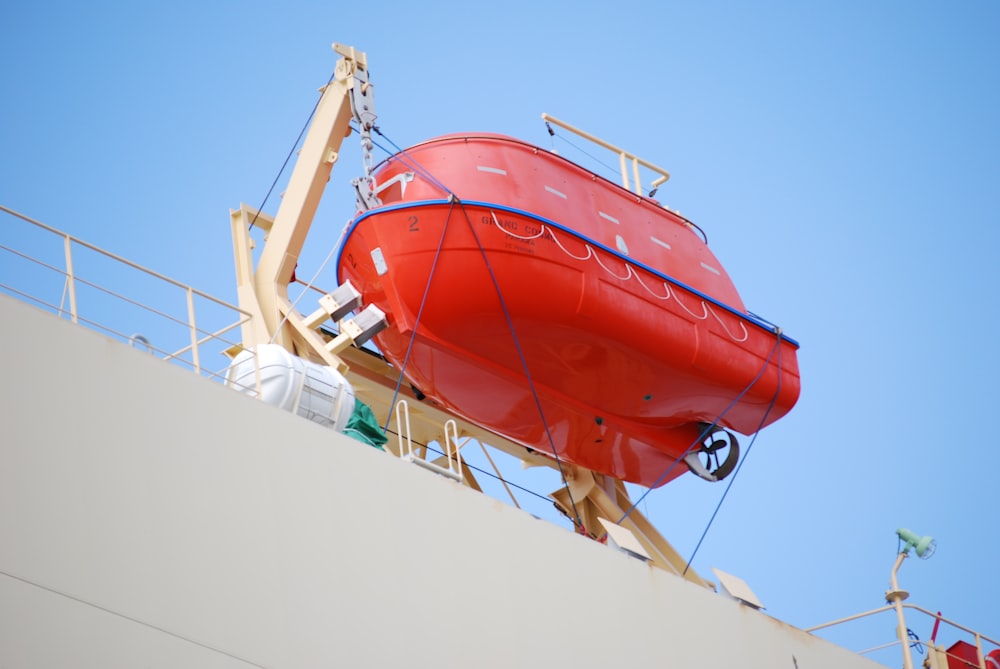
747	316
630	273
404	157
590	251
628	269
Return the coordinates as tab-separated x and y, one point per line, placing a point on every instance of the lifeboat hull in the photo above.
504	311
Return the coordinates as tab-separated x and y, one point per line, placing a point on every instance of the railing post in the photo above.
67	302
194	331
453	449
895	597
70	278
403	429
623	158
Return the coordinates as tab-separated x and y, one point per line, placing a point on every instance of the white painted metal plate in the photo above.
379	261
624	539
737	588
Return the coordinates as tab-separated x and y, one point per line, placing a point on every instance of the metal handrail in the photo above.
624	158
120	259
199	337
451	445
979	638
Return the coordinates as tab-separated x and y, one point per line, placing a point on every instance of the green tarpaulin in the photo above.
363	426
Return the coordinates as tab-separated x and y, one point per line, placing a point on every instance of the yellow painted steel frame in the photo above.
264	293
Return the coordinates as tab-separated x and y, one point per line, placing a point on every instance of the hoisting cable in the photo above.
409	161
420	311
290	154
708	430
524	364
732	479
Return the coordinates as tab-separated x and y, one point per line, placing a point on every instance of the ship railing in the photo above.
452	459
92	287
626	159
960	652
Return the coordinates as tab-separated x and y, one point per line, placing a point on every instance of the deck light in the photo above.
925	546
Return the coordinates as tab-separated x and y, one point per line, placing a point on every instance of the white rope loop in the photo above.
630	272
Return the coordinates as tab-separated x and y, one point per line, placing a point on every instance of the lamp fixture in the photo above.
924	546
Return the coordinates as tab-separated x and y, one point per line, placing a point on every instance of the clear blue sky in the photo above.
842	157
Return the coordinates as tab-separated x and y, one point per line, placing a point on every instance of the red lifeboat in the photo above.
558	309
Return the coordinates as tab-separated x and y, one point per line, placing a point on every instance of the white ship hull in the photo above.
149	517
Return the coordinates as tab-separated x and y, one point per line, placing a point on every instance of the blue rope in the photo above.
744	316
291	152
410	162
708	429
524	365
420	312
738	467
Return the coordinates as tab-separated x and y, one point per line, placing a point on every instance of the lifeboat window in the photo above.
620	243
